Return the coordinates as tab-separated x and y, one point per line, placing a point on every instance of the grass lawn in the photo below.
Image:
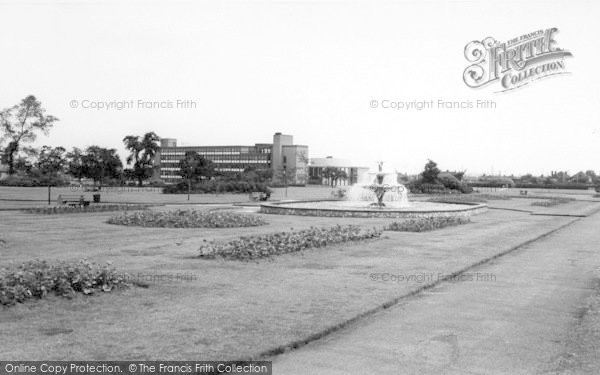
215	309
17	197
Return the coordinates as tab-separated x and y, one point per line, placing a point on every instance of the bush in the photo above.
339	193
426	224
38	278
187	219
566	186
452	183
552	202
418	187
48	210
217	186
23	180
468	198
502	183
262	246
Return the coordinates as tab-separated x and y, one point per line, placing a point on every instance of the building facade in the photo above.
319	171
288	161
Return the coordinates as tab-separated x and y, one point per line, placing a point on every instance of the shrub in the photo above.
187	219
494	182
48	210
570	186
339	193
38	278
426	224
24	180
417	187
552	202
218	186
266	245
468	198
452	183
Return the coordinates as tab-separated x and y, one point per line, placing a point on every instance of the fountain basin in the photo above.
336	208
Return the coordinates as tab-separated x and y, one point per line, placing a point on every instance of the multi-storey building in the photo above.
288	161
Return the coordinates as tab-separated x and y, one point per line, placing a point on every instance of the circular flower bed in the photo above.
187	219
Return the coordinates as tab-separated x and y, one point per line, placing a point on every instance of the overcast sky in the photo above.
310	69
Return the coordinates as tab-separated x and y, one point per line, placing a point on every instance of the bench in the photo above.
523	192
259	196
72	200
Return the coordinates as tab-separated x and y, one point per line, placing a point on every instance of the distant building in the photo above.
581	178
288	161
317	170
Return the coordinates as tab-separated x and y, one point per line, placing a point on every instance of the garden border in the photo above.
278	208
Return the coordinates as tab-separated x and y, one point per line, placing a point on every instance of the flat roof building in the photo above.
288	161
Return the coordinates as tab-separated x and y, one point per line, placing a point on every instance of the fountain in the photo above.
376	194
377	188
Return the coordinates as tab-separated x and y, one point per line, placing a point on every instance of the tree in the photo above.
8	156
194	167
459	175
592	175
20	124
51	160
24	160
430	173
334	174
100	163
142	151
262	175
76	163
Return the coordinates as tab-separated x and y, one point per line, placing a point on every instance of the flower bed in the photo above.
266	245
38	278
49	210
187	219
426	224
552	202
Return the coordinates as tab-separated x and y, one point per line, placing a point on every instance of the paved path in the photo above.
515	320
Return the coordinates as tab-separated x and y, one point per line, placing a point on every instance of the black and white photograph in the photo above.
290	187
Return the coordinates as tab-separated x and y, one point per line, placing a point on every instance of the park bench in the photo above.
259	196
523	192
72	200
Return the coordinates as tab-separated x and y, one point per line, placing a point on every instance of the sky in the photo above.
311	69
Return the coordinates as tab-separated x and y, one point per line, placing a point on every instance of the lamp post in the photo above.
285	179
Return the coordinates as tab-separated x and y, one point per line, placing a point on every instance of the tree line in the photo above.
29	166
20	126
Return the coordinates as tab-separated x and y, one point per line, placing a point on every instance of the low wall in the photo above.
287	208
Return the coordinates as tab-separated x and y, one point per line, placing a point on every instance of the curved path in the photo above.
516	319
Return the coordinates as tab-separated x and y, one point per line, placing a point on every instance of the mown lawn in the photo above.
214	309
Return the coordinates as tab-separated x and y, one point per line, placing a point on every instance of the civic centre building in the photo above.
290	162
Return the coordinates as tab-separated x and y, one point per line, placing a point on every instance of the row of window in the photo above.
182	153
217	152
218	161
164	175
